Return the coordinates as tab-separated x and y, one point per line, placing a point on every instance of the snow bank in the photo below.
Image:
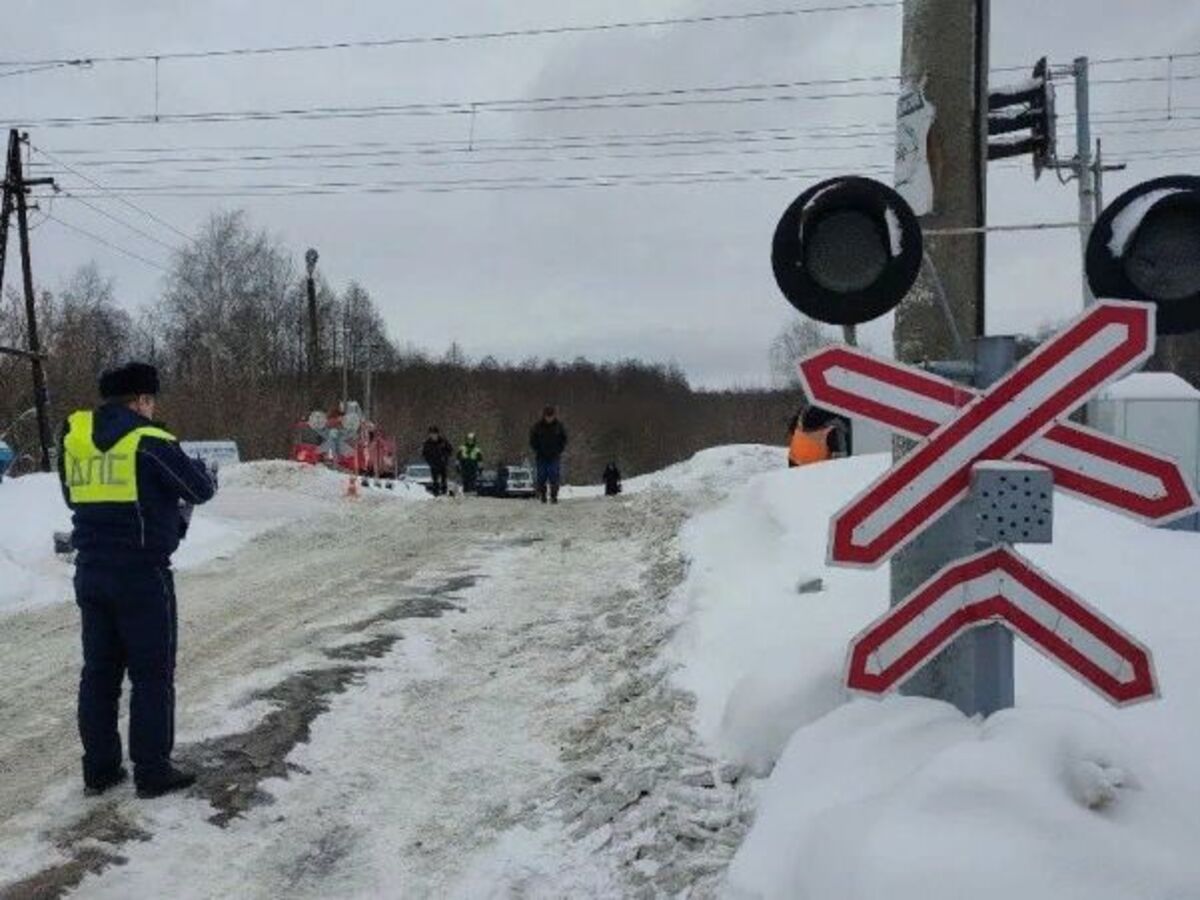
31	510
761	657
254	498
1063	797
909	800
717	469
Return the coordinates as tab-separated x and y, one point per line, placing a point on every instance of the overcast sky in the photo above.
661	272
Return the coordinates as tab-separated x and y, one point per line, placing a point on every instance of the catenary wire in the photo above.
402	40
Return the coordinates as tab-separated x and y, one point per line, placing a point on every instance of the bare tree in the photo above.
797	340
226	311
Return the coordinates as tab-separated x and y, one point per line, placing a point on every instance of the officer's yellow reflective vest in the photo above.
96	476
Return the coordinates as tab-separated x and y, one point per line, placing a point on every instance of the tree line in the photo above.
229	335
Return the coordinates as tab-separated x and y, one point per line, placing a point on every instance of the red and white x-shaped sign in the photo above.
1018	418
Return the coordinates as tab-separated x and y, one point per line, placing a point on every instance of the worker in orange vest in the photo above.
816	435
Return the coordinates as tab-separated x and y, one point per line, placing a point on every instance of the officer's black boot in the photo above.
94	787
171	780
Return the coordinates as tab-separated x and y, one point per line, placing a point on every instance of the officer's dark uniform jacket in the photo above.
123	477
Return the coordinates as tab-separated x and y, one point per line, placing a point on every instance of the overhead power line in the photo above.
747	146
675	97
462	37
83	232
30	70
104	190
829	131
446	185
62	193
706	95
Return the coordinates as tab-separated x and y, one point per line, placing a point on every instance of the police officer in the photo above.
470	458
130	488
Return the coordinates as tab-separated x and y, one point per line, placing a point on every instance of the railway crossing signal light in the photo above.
847	250
1146	246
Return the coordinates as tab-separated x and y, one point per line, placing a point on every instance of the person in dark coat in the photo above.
436	451
548	440
612	480
131	490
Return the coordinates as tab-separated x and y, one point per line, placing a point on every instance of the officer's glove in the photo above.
185	518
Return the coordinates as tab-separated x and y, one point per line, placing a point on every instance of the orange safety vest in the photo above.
809	446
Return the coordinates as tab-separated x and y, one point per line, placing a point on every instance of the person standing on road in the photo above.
470	458
436	451
548	440
131	490
612	480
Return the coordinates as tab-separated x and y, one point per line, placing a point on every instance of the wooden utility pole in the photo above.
945	58
16	187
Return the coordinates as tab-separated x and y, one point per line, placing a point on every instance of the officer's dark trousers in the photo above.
129	624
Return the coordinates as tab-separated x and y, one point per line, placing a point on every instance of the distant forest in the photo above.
228	334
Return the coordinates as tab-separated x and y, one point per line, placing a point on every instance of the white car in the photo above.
518	482
419	473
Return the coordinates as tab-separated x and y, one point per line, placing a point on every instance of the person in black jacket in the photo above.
436	451
612	480
548	440
130	488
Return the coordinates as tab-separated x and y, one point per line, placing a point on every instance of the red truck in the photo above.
345	441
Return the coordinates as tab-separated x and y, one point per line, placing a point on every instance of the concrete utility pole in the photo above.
946	49
16	186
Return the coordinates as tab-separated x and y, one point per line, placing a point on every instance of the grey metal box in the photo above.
1013	503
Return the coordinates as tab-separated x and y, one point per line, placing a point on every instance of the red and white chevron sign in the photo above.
1017	418
998	586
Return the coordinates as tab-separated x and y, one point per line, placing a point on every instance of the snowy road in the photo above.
408	699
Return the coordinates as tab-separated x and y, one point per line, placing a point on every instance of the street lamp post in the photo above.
314	346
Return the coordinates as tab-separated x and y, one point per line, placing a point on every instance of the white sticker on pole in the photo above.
914	119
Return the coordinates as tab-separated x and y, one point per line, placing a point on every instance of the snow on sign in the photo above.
1108	341
998	586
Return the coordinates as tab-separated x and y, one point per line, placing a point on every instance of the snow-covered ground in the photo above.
456	698
254	498
1062	797
630	697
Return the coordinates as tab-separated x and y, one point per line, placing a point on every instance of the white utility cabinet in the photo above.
1156	410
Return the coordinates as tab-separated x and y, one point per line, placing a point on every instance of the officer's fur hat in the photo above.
129	380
